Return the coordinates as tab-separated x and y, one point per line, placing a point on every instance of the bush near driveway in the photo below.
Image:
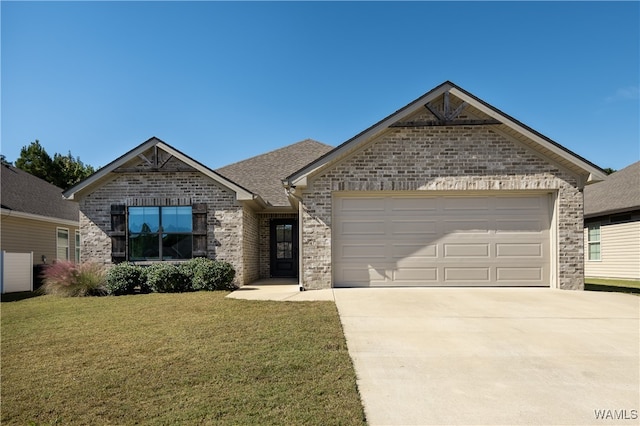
207	274
188	358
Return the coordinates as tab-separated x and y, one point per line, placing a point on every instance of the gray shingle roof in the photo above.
263	174
23	192
619	193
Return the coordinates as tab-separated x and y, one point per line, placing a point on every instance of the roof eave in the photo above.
591	173
299	178
242	194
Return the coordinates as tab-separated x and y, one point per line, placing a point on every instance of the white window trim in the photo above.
78	244
591	242
58	247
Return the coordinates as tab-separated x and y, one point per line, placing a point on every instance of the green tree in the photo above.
35	160
69	170
63	171
609	170
4	161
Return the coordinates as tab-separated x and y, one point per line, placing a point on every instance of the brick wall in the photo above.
224	217
251	245
468	158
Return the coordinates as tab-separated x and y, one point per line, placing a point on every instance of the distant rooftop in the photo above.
25	193
620	192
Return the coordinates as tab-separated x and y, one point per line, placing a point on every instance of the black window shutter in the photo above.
118	233
199	213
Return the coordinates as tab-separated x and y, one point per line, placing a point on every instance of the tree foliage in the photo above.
63	171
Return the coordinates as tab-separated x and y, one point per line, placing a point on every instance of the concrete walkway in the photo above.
280	289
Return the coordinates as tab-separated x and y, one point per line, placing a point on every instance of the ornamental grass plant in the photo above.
70	279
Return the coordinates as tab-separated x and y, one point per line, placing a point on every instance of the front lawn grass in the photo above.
602	284
190	358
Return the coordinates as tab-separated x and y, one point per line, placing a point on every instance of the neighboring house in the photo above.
448	190
36	218
612	225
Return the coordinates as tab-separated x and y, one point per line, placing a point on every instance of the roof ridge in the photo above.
273	151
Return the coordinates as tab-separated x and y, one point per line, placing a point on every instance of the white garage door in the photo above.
413	240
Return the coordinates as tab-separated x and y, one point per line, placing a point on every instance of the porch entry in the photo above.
284	248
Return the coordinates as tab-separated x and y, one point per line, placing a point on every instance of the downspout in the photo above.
300	248
296	200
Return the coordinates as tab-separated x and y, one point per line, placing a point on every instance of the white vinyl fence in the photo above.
16	272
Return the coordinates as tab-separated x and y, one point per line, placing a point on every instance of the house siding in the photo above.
452	158
619	250
22	235
225	215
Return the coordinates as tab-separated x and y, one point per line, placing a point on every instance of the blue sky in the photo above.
225	81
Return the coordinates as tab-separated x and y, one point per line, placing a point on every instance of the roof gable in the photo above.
263	174
619	193
24	193
444	105
139	159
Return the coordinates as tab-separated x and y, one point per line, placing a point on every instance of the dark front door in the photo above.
284	248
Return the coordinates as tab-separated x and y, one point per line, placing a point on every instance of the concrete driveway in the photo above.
494	356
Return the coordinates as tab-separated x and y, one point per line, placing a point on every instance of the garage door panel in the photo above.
363	251
415	275
362	275
505	274
363	227
466	226
492	240
521	225
466	250
522	204
463	274
465	205
423	227
415	251
402	205
519	250
359	206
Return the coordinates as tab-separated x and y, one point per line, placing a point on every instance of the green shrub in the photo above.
125	278
69	279
167	278
207	274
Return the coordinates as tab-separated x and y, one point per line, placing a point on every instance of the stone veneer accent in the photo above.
452	158
226	233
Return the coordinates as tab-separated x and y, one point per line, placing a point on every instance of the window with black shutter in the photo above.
118	233
140	233
199	230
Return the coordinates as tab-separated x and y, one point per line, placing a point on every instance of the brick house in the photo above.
448	190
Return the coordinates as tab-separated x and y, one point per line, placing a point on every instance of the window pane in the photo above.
62	247
177	219
284	250
594	233
144	219
144	247
594	251
78	246
176	246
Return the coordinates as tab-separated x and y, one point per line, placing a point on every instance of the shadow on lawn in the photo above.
14	297
611	288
